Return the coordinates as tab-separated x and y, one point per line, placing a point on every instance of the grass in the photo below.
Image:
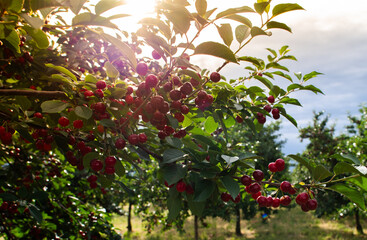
287	224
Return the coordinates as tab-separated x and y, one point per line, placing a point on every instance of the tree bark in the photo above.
35	93
196	227
238	221
358	223
129	226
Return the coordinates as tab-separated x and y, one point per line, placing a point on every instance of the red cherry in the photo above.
110	161
100	107
280	164
88	94
175	95
78	124
120	143
285	200
292	191
169	186
92	178
142	68
151	80
96	165
167	87
225	197
254	188
302	198
246	180
271	99
267	108
258	175
186	88
285	186
109	170
99	93
181	186
237	199
239	119
63	121
272	167
142	138
276	202
189	189
255	195
179	117
38	115
304	208
133	139
93	184
311	204
262	201
184	109
156	55
215	77
101	84
194	82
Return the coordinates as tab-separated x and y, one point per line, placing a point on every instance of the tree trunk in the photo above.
358	223
238	221
196	226
129	226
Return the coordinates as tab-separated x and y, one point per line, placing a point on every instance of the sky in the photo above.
329	37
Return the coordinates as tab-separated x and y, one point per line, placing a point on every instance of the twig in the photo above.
35	93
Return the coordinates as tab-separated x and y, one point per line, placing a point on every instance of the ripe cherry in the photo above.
302	198
186	88
239	119
254	188
225	197
276	202
280	164
110	161
109	170
246	180
167	87
258	175
255	195
78	124
262	201
311	204
272	167
63	121
169	186
120	143
189	189
175	95
271	99
285	186
38	115
142	68
156	55
184	109
215	77
142	138
237	199
285	200
96	165
267	108
101	84
92	178
133	139
151	80
181	186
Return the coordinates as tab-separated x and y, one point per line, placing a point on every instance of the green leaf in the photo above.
217	50
351	193
62	70
343	167
15	6
240	19
277	66
172	173
210	125
107	123
164	28
201	6
180	18
23	102
24	133
294	86
231	185
310	75
83	112
312	88
172	155
90	79
36	213
87	19
123	47
256	31
111	71
196	208
285	7
35	22
260	7
76	5
242	32
360	181
225	32
347	158
105	5
289	100
203	190
12	38
264	81
298	75
274	24
39	4
174	204
232	11
320	172
303	161
289	118
190	74
256	61
38	36
53	106
8	197
105	182
119	168
129	191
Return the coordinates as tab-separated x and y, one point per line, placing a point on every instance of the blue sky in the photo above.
329	37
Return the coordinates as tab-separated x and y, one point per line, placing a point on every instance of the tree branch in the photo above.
35	93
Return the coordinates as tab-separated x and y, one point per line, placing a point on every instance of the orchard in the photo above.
90	112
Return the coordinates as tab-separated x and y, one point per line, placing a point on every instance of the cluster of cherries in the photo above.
181	187
6	135
253	187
